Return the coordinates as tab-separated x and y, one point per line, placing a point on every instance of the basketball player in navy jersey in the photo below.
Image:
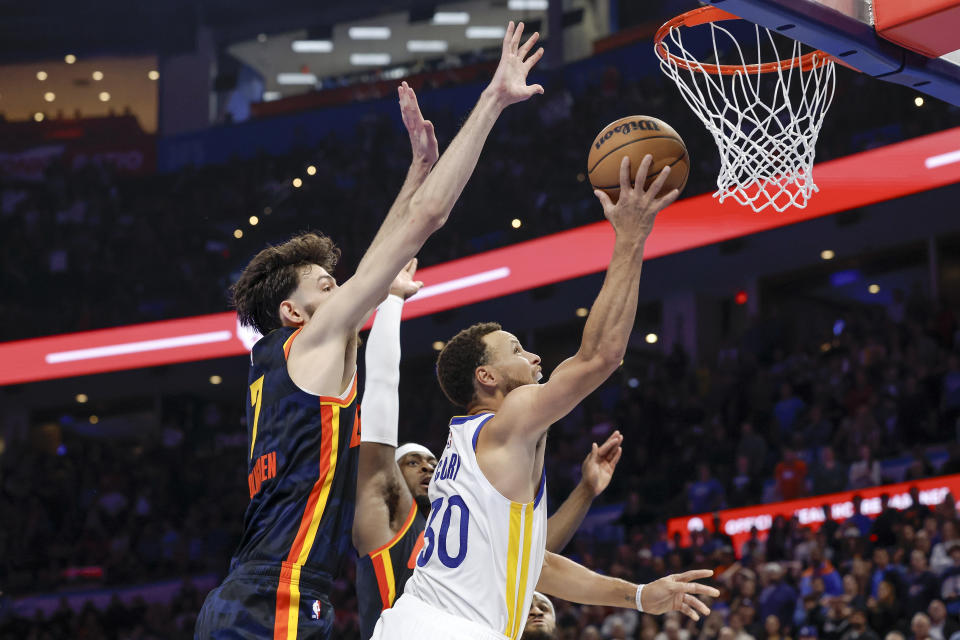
392	503
485	543
302	424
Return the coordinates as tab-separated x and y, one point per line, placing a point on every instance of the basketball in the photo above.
636	136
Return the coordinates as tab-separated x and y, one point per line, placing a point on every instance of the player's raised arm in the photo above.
570	581
382	496
596	472
406	228
529	410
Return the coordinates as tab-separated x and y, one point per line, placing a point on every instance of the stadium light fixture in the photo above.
104	96
427	46
312	46
69	58
450	17
874	289
38	116
652	338
41	75
528	5
97	76
297	78
270	96
49	96
369	33
153	74
827	254
485	33
361	59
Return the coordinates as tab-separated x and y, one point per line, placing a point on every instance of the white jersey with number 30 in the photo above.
482	553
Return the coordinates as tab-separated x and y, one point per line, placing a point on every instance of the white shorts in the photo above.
411	617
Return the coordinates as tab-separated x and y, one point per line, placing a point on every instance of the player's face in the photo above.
417	469
541	623
515	365
313	290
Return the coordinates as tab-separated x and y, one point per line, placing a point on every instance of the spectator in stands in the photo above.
920	627
885	526
829	476
940	557
821	568
778	598
884	611
950	581
922	585
865	472
787	410
916	513
859	519
707	493
941	627
859	630
744	488
791	476
753	447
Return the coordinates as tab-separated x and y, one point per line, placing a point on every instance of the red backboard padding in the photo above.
930	27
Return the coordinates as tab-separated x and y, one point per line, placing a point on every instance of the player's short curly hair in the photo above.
459	359
274	274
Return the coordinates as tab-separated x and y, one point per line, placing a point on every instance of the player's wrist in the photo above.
638	597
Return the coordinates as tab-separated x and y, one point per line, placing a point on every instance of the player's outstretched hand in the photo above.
404	285
509	84
633	215
423	141
678	592
597	468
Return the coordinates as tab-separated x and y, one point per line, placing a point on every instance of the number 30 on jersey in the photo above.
439	542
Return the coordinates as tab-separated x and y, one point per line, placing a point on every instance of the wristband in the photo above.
639	605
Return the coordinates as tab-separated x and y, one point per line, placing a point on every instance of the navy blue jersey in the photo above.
302	477
382	573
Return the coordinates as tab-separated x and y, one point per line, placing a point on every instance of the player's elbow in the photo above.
610	358
428	212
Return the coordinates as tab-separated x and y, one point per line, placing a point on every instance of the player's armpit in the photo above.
382	497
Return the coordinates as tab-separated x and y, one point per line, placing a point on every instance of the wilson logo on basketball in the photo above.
628	127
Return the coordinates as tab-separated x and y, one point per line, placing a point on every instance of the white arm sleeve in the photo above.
381	398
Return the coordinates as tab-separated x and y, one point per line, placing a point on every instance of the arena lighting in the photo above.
270	96
427	46
297	78
41	75
651	338
741	297
528	5
81	398
369	33
827	254
874	289
311	170
378	59
918	101
104	96
438	345
38	116
893	171
254	220
94	419
312	46
450	17
582	312
97	76
215	379
238	233
516	223
69	58
49	96
485	33
153	74
737	523
297	183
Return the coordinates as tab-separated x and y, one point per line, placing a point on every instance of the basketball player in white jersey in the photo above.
484	545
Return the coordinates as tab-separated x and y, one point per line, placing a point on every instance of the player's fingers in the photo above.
697	588
687	611
697	604
693	574
624	174
419	283
508	37
532	60
667	200
616	456
535	88
411	267
657	185
642	170
525	49
608	445
517	34
604	199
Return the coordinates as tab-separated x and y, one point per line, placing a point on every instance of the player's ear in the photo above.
485	376
291	314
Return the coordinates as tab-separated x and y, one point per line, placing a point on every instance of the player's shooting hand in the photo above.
633	215
423	141
678	592
404	285
597	469
509	84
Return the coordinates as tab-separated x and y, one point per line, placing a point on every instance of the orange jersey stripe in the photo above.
400	534
280	619
289	342
330	418
382	581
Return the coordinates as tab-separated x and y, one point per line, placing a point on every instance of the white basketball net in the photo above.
766	130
